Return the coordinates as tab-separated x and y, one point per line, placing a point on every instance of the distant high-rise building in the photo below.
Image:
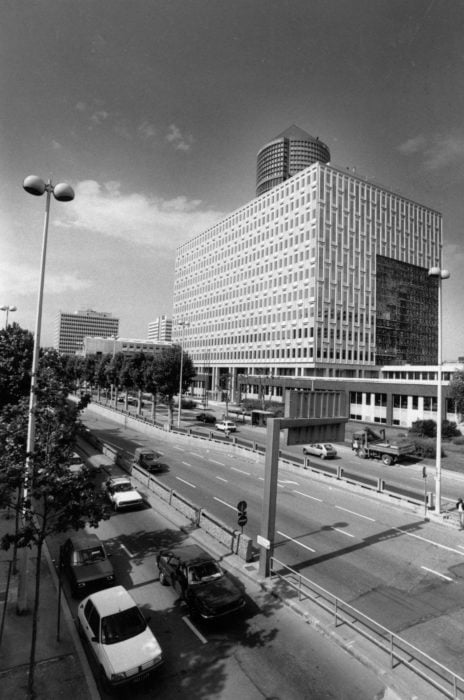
160	329
287	154
71	328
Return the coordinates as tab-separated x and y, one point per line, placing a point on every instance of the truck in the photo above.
369	444
147	459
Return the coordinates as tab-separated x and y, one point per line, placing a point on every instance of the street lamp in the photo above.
440	275
7	308
62	193
182	324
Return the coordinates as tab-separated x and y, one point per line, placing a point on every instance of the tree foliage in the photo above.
456	390
16	347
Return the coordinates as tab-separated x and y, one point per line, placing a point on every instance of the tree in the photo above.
166	374
48	497
456	390
16	347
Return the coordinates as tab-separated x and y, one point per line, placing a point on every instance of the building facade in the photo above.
112	346
160	329
71	328
325	274
287	154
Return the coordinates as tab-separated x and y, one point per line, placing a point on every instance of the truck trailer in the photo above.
371	445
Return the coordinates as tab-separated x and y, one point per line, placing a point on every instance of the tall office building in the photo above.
160	329
287	154
71	328
325	274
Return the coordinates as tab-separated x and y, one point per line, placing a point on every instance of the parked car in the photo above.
147	459
207	589
320	449
206	418
122	494
125	648
85	563
227	426
76	463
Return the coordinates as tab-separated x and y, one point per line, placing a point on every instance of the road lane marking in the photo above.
221	479
287	481
187	464
202	639
306	495
194	454
224	503
186	482
300	544
360	515
343	532
221	464
129	554
241	471
437	573
425	539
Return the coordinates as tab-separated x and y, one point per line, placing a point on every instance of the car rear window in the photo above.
88	556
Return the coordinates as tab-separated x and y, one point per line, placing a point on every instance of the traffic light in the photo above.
242	513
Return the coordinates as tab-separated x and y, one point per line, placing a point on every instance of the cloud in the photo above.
146	130
21	279
136	218
178	140
438	151
99	117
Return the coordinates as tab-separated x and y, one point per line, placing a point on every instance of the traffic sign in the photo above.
242	519
242	506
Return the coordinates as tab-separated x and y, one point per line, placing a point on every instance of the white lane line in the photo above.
343	532
176	447
202	639
129	554
186	482
221	464
437	573
300	544
306	495
224	503
425	539
360	515
187	464
194	454
240	471
287	481
219	478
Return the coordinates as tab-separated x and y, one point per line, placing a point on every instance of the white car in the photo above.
76	463
227	426
320	449
124	646
122	494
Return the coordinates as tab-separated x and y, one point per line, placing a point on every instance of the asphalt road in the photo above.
404	572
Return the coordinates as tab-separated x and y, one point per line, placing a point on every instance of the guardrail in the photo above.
400	651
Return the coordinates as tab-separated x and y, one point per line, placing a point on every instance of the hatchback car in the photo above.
122	494
206	418
227	426
207	589
85	562
320	449
125	648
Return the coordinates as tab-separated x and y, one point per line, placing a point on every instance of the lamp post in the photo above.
7	309
63	193
182	324
440	275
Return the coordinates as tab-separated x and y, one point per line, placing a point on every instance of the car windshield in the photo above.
122	625
206	571
75	459
89	556
122	486
328	447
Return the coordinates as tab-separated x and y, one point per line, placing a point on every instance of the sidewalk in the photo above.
61	669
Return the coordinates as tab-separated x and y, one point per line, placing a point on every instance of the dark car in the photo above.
86	563
206	418
207	589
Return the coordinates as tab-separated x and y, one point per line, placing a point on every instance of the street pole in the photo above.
63	193
440	275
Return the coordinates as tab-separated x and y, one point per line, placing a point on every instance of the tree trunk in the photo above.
35	620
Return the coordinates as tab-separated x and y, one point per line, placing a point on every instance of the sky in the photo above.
154	111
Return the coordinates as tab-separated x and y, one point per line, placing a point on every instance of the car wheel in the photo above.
163	579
